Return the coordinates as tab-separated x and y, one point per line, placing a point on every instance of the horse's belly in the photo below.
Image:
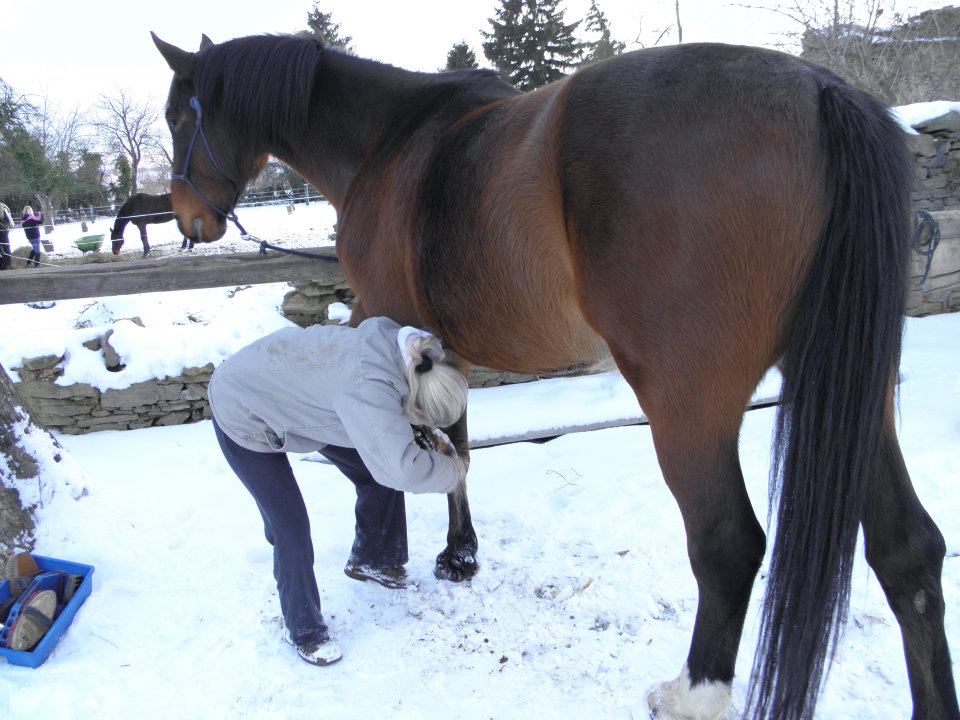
528	333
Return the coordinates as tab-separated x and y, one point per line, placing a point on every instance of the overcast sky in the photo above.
71	51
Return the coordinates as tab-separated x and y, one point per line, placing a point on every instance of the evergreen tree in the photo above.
604	46
124	183
327	31
530	43
86	186
461	57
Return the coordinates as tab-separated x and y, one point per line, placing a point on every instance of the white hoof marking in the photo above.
677	700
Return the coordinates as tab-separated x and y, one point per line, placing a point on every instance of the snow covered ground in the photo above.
584	598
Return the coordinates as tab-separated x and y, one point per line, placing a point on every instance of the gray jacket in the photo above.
297	390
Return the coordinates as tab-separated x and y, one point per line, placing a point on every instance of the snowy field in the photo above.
584	597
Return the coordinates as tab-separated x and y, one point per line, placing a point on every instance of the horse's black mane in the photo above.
264	81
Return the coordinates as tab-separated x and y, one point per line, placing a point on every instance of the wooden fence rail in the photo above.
68	282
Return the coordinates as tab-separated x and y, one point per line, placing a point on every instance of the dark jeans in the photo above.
381	530
4	249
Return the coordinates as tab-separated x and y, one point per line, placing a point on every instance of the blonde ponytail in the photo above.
438	392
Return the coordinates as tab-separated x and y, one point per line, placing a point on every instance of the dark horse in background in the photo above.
699	212
142	209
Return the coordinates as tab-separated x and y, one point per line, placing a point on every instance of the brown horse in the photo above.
142	209
699	212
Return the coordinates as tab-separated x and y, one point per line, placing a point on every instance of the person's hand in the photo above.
444	446
436	440
423	437
441	443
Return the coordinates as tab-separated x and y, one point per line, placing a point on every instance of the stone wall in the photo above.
307	303
81	408
937	153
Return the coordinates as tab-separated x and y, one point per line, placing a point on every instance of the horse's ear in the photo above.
205	42
180	61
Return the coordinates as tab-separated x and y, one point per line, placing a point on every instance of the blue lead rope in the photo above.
264	246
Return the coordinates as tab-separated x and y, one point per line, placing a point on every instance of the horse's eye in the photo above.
171	123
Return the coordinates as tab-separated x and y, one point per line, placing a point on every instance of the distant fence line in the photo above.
306	194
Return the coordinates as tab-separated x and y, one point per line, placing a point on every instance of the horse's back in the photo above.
645	181
648	172
146	208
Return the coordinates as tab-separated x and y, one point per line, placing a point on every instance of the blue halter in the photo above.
184	177
232	214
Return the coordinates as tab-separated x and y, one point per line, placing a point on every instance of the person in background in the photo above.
31	228
350	394
6	225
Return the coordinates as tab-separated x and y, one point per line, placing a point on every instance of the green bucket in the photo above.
89	243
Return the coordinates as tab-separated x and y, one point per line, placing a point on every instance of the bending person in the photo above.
350	394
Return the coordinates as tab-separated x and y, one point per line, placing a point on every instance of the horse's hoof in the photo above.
677	700
456	564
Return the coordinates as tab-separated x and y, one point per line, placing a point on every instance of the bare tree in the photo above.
61	136
129	127
871	45
679	26
661	33
160	151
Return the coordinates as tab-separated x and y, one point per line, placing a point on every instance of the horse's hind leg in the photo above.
905	549
697	450
143	239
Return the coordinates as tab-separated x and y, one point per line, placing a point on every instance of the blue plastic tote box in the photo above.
47	579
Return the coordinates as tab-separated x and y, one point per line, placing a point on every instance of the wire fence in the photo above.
108	212
14	260
305	194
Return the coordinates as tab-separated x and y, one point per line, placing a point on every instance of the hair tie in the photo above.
425	365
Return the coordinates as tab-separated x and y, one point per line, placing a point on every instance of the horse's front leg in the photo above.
458	561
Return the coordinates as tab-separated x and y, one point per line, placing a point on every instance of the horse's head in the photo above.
116	241
211	165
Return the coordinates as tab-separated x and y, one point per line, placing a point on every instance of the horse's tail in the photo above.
841	356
